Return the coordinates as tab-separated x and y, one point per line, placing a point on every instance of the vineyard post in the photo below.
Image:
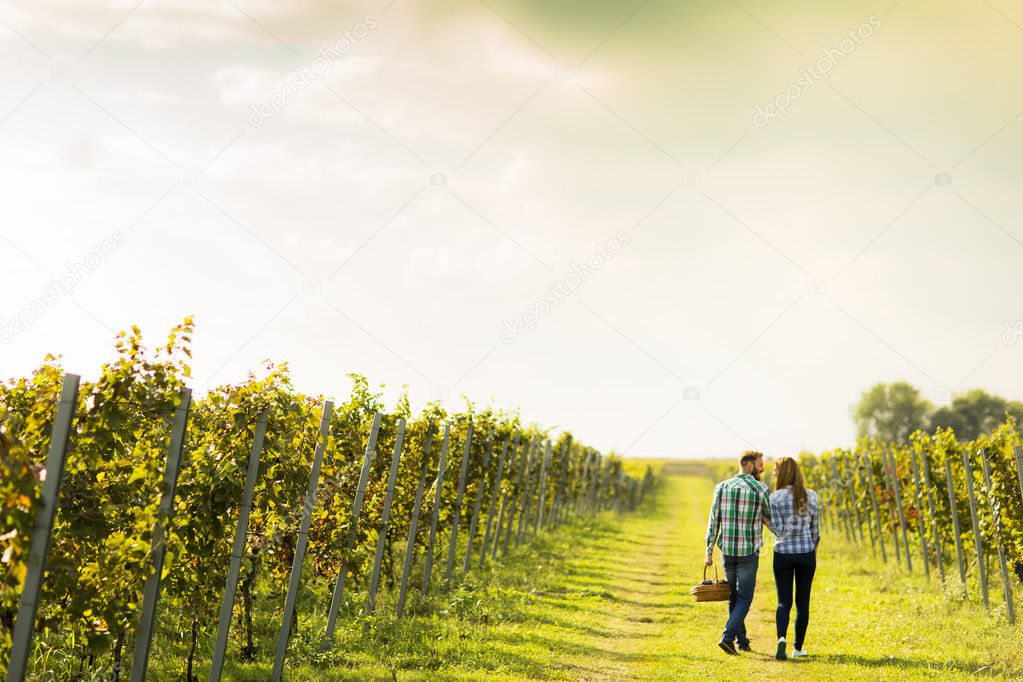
502	515
842	509
569	469
437	498
890	489
584	463
385	518
593	481
848	505
602	478
238	551
833	517
839	487
151	591
590	495
480	489
869	474
495	492
597	474
829	513
955	519
303	539
541	502
574	492
902	515
926	472
410	548
532	492
559	472
513	497
527	499
360	493
978	543
618	491
457	511
1019	467
607	486
556	472
856	473
587	483
822	496
920	515
835	496
42	530
611	491
853	499
996	516
583	494
524	463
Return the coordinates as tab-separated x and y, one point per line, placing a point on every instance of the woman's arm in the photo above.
815	531
769	516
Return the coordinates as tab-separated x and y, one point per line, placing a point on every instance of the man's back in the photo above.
734	523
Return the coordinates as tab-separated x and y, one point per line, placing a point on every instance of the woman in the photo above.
796	525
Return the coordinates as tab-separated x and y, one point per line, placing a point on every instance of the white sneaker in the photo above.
799	653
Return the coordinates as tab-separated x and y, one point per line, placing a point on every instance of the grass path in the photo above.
867	622
609	600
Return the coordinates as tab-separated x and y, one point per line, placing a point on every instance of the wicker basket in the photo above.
711	590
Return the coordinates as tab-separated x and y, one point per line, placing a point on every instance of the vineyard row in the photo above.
125	493
954	504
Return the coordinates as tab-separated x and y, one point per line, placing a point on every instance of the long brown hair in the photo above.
786	472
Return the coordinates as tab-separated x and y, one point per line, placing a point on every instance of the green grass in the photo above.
608	599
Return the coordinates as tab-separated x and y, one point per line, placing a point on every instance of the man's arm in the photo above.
713	525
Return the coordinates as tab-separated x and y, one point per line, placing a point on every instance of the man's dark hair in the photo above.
749	457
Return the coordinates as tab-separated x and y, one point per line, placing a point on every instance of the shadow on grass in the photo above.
550	649
944	665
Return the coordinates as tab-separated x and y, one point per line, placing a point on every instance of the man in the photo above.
735	526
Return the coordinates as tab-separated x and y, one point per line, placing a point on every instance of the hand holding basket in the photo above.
711	590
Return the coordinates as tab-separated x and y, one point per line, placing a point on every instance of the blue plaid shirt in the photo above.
794	533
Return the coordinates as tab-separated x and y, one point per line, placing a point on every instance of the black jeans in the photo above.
801	567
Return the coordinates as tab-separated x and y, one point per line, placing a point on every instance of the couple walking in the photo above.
742	506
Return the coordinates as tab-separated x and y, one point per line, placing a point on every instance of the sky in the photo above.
677	229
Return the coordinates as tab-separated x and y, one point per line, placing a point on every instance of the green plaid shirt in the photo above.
734	522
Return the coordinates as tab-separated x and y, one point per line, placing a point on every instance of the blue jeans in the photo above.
741	574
